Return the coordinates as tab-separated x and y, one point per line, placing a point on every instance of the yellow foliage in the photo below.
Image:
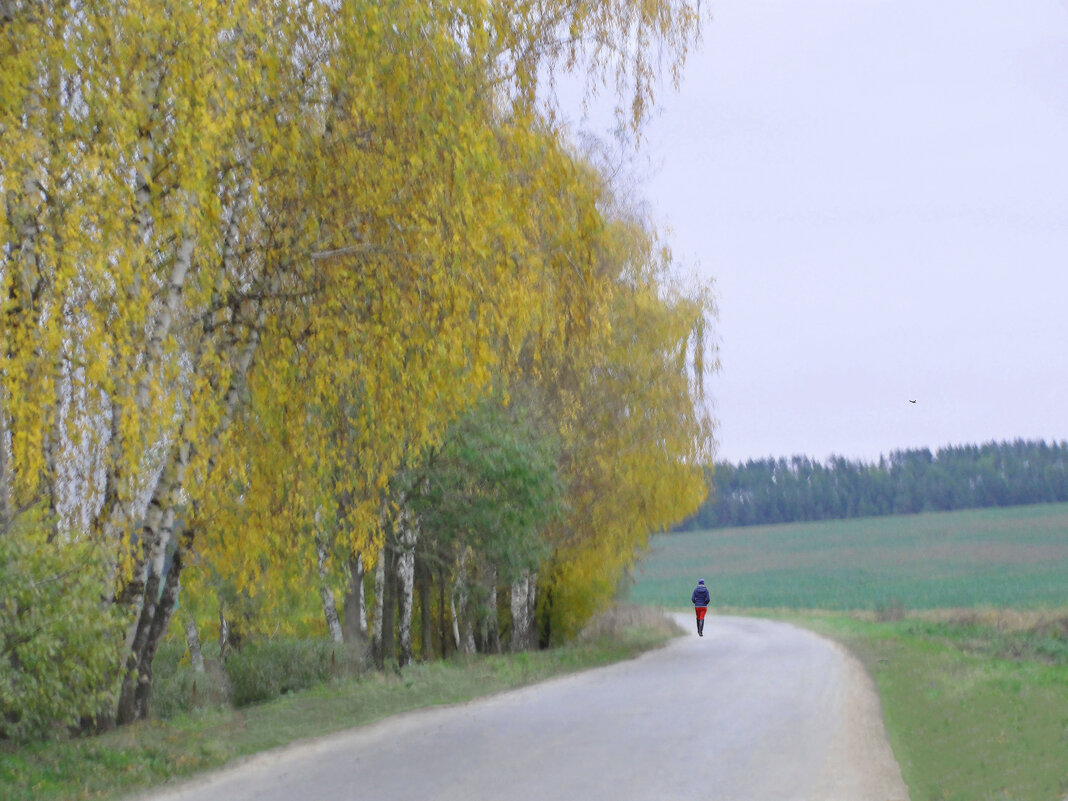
254	257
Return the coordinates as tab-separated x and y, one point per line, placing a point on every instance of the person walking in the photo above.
700	599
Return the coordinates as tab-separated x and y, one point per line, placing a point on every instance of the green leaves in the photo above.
492	486
57	647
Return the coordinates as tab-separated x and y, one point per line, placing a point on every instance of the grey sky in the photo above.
880	190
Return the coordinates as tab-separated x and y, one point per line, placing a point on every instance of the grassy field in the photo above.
960	617
145	755
1015	557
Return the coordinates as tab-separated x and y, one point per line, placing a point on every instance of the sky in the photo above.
879	190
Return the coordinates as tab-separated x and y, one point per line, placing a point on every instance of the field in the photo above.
1013	557
960	617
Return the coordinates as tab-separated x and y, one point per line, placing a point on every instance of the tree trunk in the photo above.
546	634
167	602
192	639
405	577
443	631
157	532
389	607
354	626
465	641
224	633
380	592
333	622
156	608
7	474
491	633
422	581
523	605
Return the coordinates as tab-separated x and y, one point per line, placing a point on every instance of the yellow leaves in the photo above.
468	242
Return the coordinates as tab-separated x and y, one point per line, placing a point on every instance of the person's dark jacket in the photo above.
700	595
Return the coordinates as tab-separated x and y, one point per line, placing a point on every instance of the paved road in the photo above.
753	711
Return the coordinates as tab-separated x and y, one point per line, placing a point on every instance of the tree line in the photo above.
766	491
319	303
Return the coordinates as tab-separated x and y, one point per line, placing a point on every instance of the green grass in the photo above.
1015	557
148	754
973	713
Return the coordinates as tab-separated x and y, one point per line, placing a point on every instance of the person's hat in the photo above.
700	581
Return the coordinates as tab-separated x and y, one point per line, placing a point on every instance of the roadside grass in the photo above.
972	712
147	755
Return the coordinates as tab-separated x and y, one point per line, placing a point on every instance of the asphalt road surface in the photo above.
753	711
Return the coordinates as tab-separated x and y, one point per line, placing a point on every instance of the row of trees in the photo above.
955	477
294	293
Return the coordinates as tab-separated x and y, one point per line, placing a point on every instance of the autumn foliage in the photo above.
316	306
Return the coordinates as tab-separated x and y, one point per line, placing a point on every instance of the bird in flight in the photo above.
912	401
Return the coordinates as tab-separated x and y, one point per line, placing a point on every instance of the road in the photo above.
754	711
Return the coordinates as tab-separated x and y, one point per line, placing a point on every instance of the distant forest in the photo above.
768	491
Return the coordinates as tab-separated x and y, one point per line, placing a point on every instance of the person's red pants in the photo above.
700	610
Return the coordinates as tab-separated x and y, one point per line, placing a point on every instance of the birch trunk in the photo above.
422	582
224	633
354	625
389	606
523	605
333	622
142	637
7	474
157	532
461	619
192	639
408	536
160	621
380	589
491	634
22	210
110	522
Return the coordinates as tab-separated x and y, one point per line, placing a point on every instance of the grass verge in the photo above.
975	702
148	754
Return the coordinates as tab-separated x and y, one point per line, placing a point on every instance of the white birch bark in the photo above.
113	516
408	537
333	622
26	272
461	619
6	470
224	632
192	639
523	605
361	602
157	533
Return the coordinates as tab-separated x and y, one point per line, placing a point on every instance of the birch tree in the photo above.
267	202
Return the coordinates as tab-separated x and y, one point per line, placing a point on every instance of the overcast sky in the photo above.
880	190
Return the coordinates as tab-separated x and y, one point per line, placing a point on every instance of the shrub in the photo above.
59	646
263	670
177	688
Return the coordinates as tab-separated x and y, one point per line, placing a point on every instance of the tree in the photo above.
233	214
